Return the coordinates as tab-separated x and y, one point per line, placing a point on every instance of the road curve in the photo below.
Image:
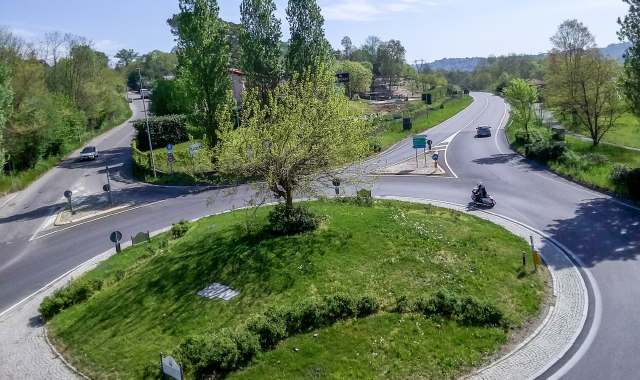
601	231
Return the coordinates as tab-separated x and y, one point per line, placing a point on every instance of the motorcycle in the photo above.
486	201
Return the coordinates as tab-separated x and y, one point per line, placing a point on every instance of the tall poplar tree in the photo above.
203	56
308	44
260	41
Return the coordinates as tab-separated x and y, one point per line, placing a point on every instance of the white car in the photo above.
89	153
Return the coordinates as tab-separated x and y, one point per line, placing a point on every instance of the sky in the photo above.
428	29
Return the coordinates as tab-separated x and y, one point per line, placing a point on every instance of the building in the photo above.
238	79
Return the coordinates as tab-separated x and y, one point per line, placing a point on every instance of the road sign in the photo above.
419	142
343	77
170	159
106	187
169	147
67	194
435	157
116	236
429	142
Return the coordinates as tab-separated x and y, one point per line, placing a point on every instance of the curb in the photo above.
507	367
58	221
565	320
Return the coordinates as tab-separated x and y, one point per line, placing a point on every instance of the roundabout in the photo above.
596	339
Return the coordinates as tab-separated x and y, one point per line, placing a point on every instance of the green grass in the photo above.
22	179
626	133
361	107
387	250
594	175
395	132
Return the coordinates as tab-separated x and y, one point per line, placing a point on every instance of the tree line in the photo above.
51	93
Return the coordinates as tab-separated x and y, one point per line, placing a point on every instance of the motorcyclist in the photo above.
481	192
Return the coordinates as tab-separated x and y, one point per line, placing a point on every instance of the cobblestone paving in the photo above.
25	354
562	324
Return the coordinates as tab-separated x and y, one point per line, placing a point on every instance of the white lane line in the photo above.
44	223
93	220
450	138
498	130
8	200
125	137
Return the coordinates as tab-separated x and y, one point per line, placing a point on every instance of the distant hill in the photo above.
614	51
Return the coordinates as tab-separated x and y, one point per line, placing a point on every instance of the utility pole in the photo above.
146	117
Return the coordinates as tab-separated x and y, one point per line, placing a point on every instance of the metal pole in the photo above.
109	185
146	117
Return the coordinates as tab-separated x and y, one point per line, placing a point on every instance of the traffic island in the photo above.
422	164
89	210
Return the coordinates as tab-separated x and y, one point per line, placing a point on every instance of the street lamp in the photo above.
144	107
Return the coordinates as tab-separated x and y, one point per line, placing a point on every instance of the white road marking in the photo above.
450	138
93	220
7	201
44	223
499	125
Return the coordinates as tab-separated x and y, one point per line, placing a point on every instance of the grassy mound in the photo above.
148	304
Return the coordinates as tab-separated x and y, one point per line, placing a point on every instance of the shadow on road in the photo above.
601	230
497	159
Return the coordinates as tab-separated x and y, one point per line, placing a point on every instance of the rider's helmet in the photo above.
479	184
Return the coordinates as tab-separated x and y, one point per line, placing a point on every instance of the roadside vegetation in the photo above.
390	289
583	90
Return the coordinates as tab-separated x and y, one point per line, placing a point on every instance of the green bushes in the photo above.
297	220
64	298
544	150
219	353
626	179
180	229
466	310
228	350
164	130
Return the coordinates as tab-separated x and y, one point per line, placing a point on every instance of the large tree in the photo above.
360	77
125	57
582	81
521	96
260	41
203	55
348	47
308	45
630	31
299	142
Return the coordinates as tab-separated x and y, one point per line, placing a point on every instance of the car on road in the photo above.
483	131
89	153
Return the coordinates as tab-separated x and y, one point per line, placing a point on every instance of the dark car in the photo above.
89	153
483	131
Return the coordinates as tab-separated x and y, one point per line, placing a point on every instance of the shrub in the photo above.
633	184
164	130
404	304
619	174
545	150
572	161
367	305
442	303
67	297
595	159
479	313
523	137
269	331
297	220
219	353
339	306
180	229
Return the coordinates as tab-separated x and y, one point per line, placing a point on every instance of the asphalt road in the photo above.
603	232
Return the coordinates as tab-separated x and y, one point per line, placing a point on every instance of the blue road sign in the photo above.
435	157
419	146
169	147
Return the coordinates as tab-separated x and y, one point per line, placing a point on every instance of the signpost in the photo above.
68	194
336	184
115	237
170	157
170	367
343	77
435	160
107	187
194	148
420	142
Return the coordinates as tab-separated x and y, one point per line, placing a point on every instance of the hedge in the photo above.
67	297
164	130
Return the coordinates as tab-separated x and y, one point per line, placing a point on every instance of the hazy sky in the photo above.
428	29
